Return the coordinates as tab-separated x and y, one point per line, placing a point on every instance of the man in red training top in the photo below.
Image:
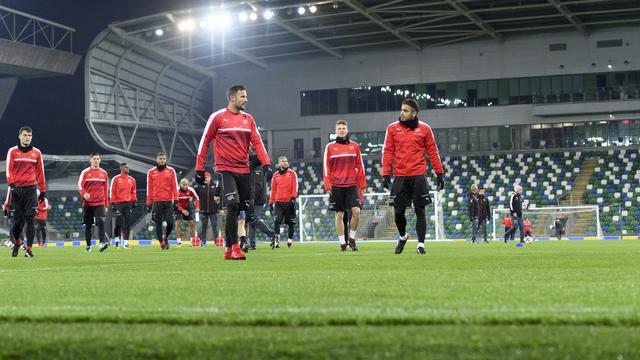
123	202
186	211
405	145
25	170
162	197
232	131
41	221
527	227
344	180
93	186
508	223
284	191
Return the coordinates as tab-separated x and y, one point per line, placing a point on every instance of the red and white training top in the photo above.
162	185
284	187
25	168
7	200
233	133
406	148
123	189
43	210
95	182
184	198
342	166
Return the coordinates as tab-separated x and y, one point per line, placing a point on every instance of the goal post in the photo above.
317	222
579	221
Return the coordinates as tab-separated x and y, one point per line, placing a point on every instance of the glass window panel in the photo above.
524	91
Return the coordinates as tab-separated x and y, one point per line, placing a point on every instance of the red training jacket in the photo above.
405	148
123	189
95	182
184	198
7	200
25	168
527	226
162	185
284	187
507	222
43	210
342	166
233	133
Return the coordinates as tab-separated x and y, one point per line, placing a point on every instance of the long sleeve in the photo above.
258	145
294	186
274	189
196	198
149	188
432	151
326	168
175	187
81	189
208	135
134	196
42	183
10	161
362	178
388	152
106	191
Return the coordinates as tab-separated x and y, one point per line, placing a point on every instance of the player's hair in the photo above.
412	103
282	157
341	122
474	186
94	154
184	179
25	128
123	164
234	90
161	154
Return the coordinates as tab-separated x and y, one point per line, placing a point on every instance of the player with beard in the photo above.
284	191
162	197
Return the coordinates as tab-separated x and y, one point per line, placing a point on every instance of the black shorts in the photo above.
41	223
343	198
285	212
93	213
24	202
235	189
408	189
181	216
162	211
120	208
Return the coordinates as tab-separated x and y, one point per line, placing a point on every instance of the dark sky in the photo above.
54	107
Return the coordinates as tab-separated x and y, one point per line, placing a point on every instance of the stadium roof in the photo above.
205	39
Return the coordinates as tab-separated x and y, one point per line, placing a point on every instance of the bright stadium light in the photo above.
218	21
159	32
267	14
243	17
313	9
301	10
186	25
253	16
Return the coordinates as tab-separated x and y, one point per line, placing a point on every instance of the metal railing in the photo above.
21	27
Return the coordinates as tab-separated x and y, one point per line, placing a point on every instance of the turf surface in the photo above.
547	300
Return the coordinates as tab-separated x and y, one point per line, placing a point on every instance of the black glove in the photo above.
267	172
12	186
200	177
149	208
132	205
386	182
175	206
271	208
42	196
440	181
5	212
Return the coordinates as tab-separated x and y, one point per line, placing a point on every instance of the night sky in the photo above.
54	107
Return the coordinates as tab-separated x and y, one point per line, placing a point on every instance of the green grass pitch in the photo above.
548	300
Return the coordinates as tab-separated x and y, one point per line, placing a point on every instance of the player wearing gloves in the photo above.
186	210
162	197
93	186
284	191
405	145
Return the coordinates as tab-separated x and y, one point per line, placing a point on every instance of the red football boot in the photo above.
227	253
236	252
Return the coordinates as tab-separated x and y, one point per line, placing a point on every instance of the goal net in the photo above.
317	222
577	221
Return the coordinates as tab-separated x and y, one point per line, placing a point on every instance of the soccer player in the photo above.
41	221
473	210
123	201
344	180
258	181
527	227
284	191
559	227
484	213
186	211
25	170
515	209
508	223
93	186
209	195
405	145
162	197
233	132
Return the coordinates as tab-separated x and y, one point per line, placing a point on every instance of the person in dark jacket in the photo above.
515	208
484	213
209	195
259	184
472	211
559	226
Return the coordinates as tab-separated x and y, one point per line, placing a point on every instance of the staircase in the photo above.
583	219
